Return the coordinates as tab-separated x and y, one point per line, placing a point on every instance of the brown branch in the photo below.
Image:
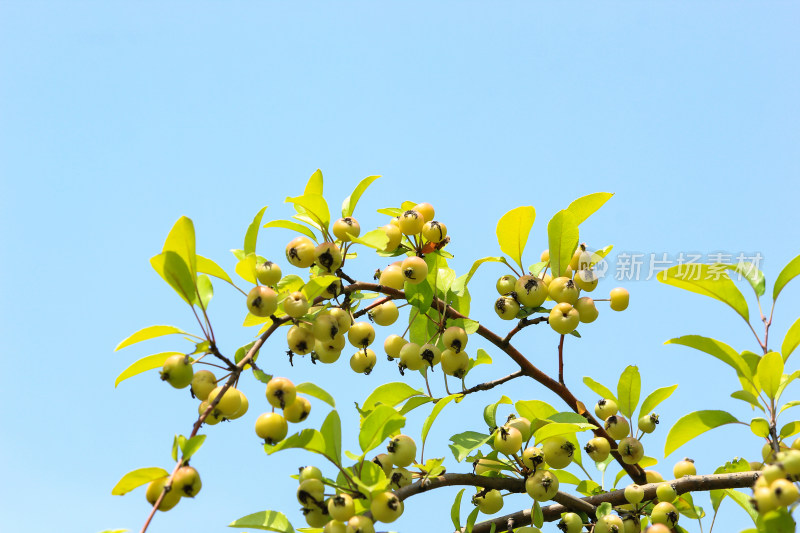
561	360
373	305
522	324
491	384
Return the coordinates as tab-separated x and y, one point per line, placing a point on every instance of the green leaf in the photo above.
308	439
748	397
716	348
788	405
190	447
290	283
437	408
556	429
266	520
331	431
471	518
314	206
459	284
778	521
420	296
628	390
455	510
349	204
792	428
790	271
562	236
246	268
252	232
753	276
490	412
512	231
413	403
314	184
316	286
181	241
694	424
467	442
655	398
744	502
150	332
482	358
534	409
709	280
599	389
603	509
566	477
205	291
313	390
390	394
294	226
791	340
137	478
207	266
759	427
686	507
173	269
379	424
770	370
537	516
371	479
585	206
376	238
144	364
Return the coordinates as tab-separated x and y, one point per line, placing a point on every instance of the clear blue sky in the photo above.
118	117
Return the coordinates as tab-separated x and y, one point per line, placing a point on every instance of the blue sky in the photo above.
120	117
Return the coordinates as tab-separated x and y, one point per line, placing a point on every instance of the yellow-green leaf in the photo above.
708	280
437	408
770	370
789	272
349	204
376	238
379	424
599	389
316	286
512	231
390	394
207	266
137	478
655	398
150	332
314	206
562	237
246	268
265	520
792	428
251	236
294	226
753	276
556	429
174	270
143	365
308	439
760	427
181	240
628	389
585	206
716	348
314	184
791	340
317	392
694	424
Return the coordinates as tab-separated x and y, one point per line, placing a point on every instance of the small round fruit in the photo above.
653	477
310	491
506	284
542	485
242	410
619	299
790	460
295	304
609	523
664	513
262	301
154	490
563	290
402	450
434	231
506	307
360	524
342	318
666	493
765	499
300	340
415	270
658	528
570	523
334	526
392	277
393	235
484	465
558	451
385	314
587	311
213	418
300	252
297	411
785	492
533	457
393	344
455	364
346	225
268	273
271	427
386	507
229	403
328	257
361	334
328	352
522	424
598	449
617	427
507	440
186	482
631	450
363	361
684	467
648	423
531	291
310	472
383	461
454	338
605	408
426	210
586	280
772	472
203	382
564	318
400	478
280	392
489	503
411	222
177	371
410	356
634	493
430	355
341	507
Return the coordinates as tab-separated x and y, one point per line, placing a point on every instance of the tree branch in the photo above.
522	324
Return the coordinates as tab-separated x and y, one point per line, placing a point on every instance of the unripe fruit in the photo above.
229	403
666	493
609	523
605	408
531	291
411	222
563	290
341	507
410	356
545	257
300	252
586	280
684	467
570	523
393	344
542	486
342	318
271	427
506	284
330	351
485	465
392	277
386	507
402	450
653	477
426	210
532	457
328	257
414	269
316	517
400	477
177	371
587	311
768	454
506	307
430	355
203	382
772	472
564	318
648	423
507	440
454	338
790	460
394	235
363	361
297	411
214	417
326	327
455	364
170	499
434	231
617	426
242	410
383	461
361	334
300	340
634	493
268	273
796	444
558	451
360	524
385	314
310	472
598	449
295	304
310	491
619	299
658	528
765	500
346	225
490	502
334	526
280	392
262	301
631	450
664	513
522	424
785	492
186	482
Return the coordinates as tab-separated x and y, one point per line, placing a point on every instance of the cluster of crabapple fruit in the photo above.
281	393
775	487
521	296
618	428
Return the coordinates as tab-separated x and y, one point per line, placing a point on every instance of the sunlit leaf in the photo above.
207	266
426	426
759	427
534	409
585	206
349	204
137	478
315	207
490	412
655	398
144	364
294	226
708	280
791	340
562	237
251	236
770	370
181	240
465	443
265	520
628	390
512	231
455	510
748	397
792	428
556	429
173	269
599	389
716	348
190	447
376	238
150	332
308	439
246	268
694	424
390	394
311	389
204	290
789	272
379	424
332	433
753	276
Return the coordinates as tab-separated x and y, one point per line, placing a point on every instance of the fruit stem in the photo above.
561	360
